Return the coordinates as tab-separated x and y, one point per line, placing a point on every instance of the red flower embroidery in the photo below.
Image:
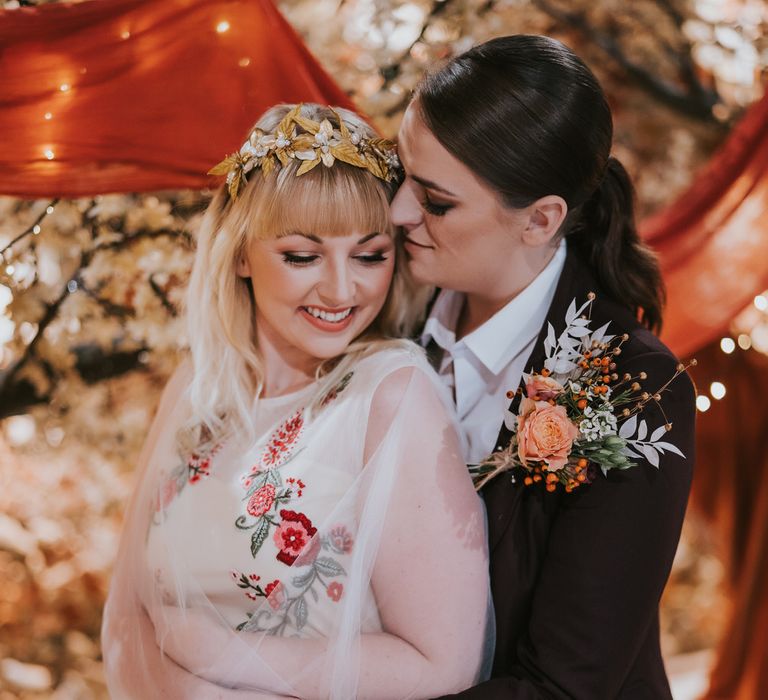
292	535
275	594
309	553
334	393
334	591
283	440
261	501
199	465
298	483
340	539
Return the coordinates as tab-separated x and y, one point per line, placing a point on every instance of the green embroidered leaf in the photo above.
259	535
303	580
329	567
273	475
302	613
314	593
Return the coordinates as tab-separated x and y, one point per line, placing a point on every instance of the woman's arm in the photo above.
430	575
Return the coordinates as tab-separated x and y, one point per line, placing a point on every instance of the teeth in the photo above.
325	316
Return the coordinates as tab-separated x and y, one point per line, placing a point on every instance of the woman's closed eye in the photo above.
435	208
372	258
300	259
305	259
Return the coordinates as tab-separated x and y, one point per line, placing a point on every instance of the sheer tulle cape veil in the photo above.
420	549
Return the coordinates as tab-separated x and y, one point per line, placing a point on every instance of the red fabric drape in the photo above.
713	240
731	489
157	95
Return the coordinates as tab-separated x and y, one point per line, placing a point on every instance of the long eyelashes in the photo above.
299	260
434	208
305	260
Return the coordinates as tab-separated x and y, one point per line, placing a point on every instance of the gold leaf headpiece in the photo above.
318	143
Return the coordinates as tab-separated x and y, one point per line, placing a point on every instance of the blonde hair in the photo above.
228	371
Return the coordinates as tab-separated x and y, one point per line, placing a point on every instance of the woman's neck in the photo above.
481	305
286	368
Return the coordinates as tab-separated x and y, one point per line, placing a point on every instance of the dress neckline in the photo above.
282	399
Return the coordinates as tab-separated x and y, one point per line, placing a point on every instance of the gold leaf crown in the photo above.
319	143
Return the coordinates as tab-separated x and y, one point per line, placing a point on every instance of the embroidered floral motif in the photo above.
282	441
265	490
340	540
290	609
334	591
333	393
293	535
190	470
262	500
273	592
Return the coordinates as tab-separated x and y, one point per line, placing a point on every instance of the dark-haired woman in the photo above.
514	207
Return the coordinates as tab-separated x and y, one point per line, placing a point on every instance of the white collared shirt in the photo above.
486	363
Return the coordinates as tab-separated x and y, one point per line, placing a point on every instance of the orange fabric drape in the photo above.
136	95
713	240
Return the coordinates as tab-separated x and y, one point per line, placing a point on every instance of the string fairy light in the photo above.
717	390
33	230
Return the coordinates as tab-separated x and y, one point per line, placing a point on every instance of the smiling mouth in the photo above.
328	316
418	245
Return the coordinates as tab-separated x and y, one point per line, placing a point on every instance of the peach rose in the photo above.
544	434
540	388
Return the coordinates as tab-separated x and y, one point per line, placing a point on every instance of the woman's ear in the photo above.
243	267
546	216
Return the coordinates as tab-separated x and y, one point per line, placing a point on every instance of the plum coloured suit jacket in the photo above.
576	578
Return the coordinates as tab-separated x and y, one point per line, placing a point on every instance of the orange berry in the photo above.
582	463
551	487
581	478
606	379
545	372
587	354
551	477
605	361
537	478
582	403
510	394
527	481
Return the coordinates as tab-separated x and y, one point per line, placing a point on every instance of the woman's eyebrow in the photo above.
431	185
367	238
311	236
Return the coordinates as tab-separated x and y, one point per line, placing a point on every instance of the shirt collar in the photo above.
492	343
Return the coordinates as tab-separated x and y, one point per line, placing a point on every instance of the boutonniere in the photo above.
577	413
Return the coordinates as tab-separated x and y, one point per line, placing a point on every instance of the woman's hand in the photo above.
202	645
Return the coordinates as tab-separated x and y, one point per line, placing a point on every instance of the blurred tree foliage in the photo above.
91	290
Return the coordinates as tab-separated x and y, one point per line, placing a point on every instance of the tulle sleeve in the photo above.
412	615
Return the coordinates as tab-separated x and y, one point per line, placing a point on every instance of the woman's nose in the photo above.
405	209
337	287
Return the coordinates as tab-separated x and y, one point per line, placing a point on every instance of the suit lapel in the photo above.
502	494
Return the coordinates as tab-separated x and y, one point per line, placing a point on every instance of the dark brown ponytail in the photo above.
528	117
605	236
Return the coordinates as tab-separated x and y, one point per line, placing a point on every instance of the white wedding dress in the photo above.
277	545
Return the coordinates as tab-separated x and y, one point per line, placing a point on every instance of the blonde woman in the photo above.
303	523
